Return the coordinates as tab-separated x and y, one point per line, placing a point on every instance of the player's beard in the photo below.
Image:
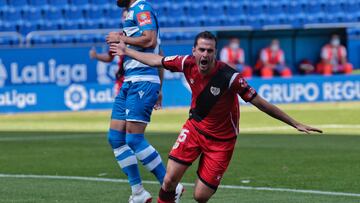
205	65
123	3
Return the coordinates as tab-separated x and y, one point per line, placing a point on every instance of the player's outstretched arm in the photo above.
277	113
146	58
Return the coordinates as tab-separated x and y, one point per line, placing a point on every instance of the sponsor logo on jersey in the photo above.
215	90
141	6
144	18
141	94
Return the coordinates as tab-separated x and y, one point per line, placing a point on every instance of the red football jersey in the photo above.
214	96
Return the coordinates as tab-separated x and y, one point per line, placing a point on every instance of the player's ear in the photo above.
193	50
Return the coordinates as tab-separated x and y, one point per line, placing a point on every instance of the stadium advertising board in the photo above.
58	66
77	97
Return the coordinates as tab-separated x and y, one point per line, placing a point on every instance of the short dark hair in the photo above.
205	35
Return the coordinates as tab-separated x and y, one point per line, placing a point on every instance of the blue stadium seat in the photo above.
5	40
94	13
9	40
99	2
18	3
8	27
52	13
3	3
73	13
189	35
174	8
349	18
296	7
37	2
59	4
69	25
48	25
333	7
162	21
297	20
99	38
352	6
195	10
11	14
110	23
41	40
190	22
169	36
209	21
275	8
172	22
214	10
310	19
256	8
271	20
85	38
234	9
32	14
80	2
313	7
113	13
24	27
90	24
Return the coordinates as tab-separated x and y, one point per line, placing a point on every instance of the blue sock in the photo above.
148	156
125	158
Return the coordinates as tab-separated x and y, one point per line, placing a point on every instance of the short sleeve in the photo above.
145	18
174	63
241	87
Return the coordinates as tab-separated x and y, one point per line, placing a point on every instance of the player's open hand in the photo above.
307	129
113	37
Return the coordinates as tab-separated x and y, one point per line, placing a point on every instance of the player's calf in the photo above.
202	192
147	154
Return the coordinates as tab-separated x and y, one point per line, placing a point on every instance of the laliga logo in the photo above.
3	74
76	97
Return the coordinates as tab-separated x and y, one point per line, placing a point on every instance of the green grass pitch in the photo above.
268	154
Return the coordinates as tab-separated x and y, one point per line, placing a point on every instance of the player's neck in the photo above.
208	71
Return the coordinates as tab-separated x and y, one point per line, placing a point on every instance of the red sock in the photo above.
166	197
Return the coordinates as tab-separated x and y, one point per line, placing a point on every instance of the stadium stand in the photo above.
26	16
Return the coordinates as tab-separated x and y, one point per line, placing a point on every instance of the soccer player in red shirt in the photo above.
212	127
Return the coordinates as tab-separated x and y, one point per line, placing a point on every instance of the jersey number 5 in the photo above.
181	138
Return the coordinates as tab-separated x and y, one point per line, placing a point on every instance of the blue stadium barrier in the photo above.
78	97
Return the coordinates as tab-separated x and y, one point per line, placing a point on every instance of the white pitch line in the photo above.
95	179
328	126
249	129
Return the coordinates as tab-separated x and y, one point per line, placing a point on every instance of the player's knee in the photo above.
170	182
116	139
200	197
134	140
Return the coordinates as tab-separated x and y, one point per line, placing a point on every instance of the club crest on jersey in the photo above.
144	18
215	90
